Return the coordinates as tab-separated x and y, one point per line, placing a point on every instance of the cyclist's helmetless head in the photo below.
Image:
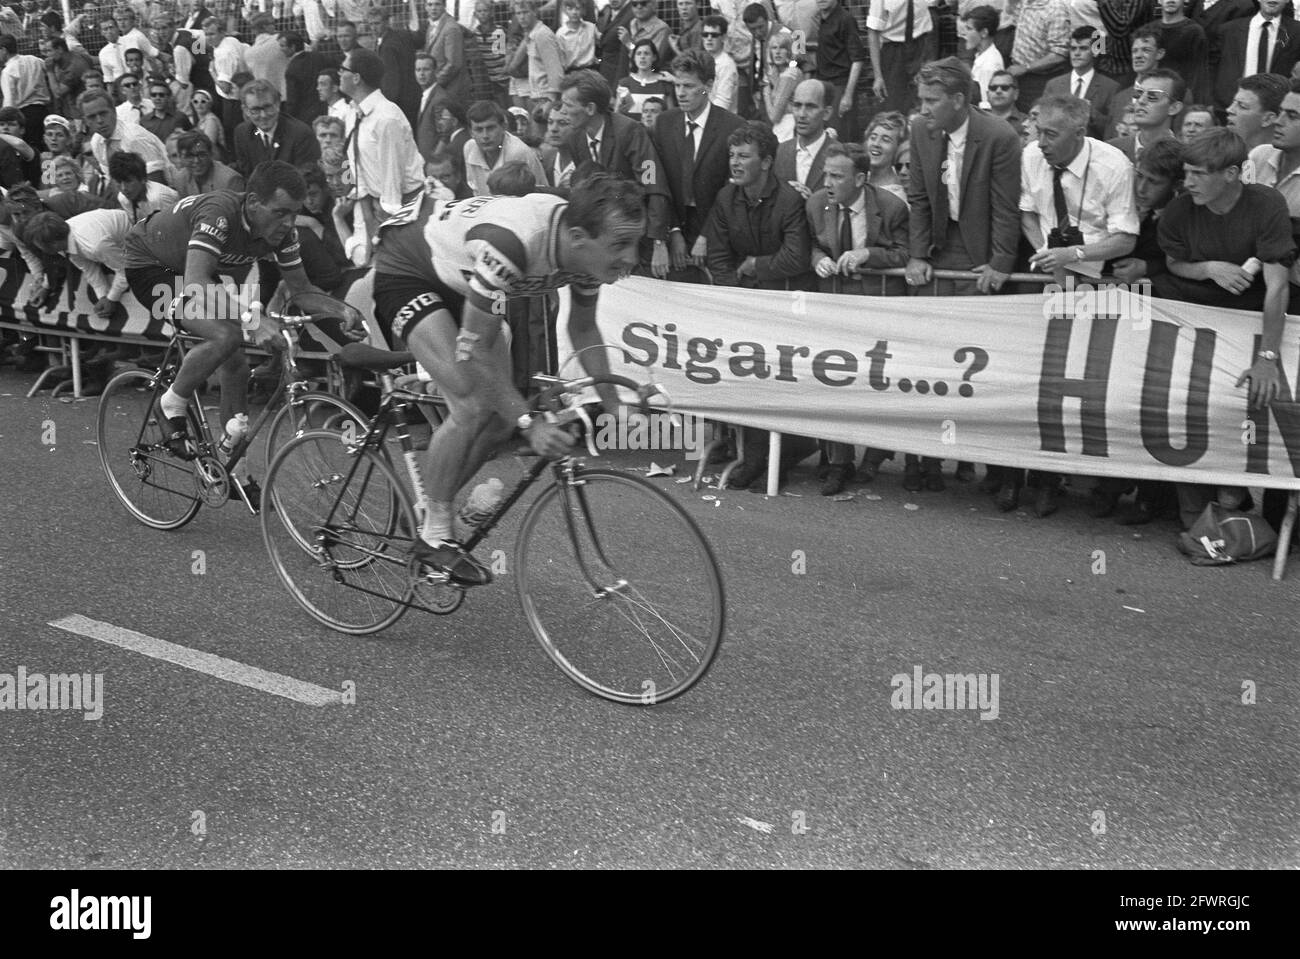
275	194
604	223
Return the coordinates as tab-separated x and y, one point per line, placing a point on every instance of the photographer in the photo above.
1077	212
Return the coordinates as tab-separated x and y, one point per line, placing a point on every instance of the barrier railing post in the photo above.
773	462
1284	536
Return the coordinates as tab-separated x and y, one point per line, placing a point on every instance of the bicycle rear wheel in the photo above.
631	619
339	537
155	485
315	410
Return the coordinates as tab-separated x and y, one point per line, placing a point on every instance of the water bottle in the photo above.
236	430
481	503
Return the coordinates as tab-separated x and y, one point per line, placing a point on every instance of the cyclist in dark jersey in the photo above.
443	273
174	259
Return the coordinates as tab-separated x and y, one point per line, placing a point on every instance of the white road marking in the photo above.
228	669
763	827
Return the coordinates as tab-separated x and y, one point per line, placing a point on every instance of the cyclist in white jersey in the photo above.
443	274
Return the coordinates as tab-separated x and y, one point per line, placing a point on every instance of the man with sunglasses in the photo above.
164	119
268	133
1003	91
1157	98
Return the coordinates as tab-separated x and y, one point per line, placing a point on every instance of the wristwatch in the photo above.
1078	253
1269	355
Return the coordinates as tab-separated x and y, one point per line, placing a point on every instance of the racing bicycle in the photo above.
616	580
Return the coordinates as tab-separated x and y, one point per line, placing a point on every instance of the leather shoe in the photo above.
1008	498
992	481
933	481
912	480
868	471
837	477
1045	501
965	472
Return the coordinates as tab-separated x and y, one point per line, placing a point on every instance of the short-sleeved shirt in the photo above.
1258	225
482	248
213	222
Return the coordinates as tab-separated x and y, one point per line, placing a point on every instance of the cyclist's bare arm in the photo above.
583	332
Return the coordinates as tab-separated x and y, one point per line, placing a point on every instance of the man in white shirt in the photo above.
264	58
93	243
800	162
135	107
977	28
111	135
726	77
491	145
1278	164
1077	212
388	168
132	37
138	196
24	86
898	46
1253	112
111	63
1083	81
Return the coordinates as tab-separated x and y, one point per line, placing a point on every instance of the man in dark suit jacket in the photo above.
609	45
428	105
980	231
396	47
1284	33
1100	91
811	104
620	144
268	134
696	170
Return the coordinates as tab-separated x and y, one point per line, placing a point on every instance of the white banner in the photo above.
1092	383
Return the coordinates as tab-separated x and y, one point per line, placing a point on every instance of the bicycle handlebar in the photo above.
549	399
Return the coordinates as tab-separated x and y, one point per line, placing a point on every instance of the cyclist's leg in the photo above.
233	375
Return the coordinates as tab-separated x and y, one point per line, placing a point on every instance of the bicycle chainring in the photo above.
212	481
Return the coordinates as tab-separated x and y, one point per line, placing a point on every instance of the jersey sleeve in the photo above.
500	262
210	228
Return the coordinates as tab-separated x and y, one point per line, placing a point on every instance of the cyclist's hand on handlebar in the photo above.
266	334
549	440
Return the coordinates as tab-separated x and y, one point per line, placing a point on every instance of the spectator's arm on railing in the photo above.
721	261
792	258
891	248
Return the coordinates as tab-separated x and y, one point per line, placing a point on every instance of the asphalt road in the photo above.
1121	738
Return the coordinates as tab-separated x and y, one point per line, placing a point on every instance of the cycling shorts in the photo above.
403	302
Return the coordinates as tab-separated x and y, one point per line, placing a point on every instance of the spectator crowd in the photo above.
781	144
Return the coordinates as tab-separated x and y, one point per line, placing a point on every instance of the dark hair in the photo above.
58	43
8	43
600	197
1009	75
274	175
754	13
857	156
654	49
1164	158
951	74
190	139
90	96
1215	150
757	133
332	73
716	21
314	176
697	63
136	50
457	110
659	101
1150	31
589	87
367	65
1177	85
983	17
123	166
481	111
511	179
294	39
1269	87
1084	32
13	115
43	231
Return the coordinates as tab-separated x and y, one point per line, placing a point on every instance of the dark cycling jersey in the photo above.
483	248
209	221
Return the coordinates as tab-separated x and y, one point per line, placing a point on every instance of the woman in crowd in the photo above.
645	81
885	140
64	176
779	86
207	122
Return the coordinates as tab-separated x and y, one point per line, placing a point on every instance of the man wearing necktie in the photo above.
269	134
854	227
1079	211
900	36
1084	82
1268	42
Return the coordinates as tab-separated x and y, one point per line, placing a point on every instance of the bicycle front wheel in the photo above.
315	410
155	485
633	616
340	533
